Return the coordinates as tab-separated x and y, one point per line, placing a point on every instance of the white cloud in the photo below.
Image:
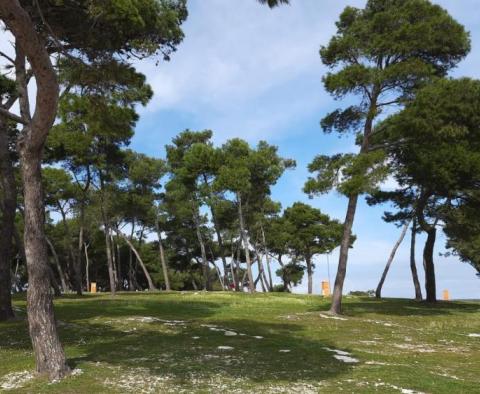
234	61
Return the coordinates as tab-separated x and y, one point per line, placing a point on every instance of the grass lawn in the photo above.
239	343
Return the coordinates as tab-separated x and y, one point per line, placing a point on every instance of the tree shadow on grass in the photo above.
259	352
356	307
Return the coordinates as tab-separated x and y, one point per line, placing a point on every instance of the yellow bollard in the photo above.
93	287
325	288
446	295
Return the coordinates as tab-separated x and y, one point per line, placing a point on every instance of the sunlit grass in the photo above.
272	343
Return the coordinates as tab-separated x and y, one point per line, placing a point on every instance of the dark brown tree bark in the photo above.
378	291
413	265
49	353
244	238
431	230
430	286
7	224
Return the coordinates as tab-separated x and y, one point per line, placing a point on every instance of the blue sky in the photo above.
250	72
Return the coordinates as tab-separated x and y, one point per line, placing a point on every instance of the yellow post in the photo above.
325	288
446	295
93	287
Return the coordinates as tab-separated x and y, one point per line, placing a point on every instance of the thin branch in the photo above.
3	54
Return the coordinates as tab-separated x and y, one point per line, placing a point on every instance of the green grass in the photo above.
117	347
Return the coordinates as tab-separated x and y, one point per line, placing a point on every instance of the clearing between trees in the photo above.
250	343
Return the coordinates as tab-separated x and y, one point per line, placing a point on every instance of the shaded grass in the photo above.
119	344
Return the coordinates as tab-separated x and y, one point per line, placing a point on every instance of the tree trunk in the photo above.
430	286
378	292
73	255
9	195
151	286
58	266
233	270
54	284
284	278
119	267
163	262
336	307
260	277
49	354
79	255
243	234
87	267
308	260
413	265
219	237
202	248
111	269
267	256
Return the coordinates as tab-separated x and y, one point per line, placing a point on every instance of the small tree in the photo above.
312	233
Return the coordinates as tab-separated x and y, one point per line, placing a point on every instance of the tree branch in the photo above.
12	116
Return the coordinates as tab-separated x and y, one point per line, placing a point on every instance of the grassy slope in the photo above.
399	344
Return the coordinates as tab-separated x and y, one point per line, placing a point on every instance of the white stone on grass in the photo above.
15	380
345	359
230	333
225	348
332	317
342	355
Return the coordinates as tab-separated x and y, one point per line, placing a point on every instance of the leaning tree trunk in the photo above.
430	286
151	286
243	235
413	265
49	353
9	195
378	292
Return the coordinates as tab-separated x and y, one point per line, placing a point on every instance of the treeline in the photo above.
200	219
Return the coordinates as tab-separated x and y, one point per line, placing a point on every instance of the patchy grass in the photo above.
239	343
